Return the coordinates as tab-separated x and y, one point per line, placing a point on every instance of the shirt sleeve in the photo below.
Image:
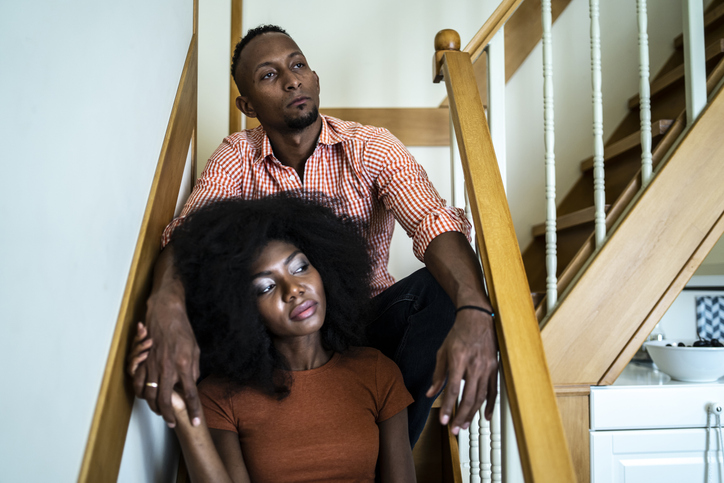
221	179
218	409
404	188
392	395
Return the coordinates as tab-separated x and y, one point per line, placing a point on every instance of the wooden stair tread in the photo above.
586	215
711	18
676	74
658	128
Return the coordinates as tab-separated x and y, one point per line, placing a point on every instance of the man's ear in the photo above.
317	78
243	104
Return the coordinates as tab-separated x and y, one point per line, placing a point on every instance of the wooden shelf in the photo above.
713	51
580	217
711	19
632	141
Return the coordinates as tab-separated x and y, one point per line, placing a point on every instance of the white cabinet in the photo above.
649	456
649	430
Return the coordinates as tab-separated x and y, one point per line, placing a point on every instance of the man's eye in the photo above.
268	75
299	65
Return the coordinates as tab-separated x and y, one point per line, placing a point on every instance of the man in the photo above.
441	308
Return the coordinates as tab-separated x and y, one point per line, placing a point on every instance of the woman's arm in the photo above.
396	464
211	455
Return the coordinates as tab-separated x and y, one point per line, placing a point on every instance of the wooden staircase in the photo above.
610	302
622	158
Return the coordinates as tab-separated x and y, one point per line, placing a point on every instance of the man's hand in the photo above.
173	359
469	352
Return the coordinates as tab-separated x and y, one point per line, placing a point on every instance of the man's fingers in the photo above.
150	392
191	398
438	376
470	403
492	395
163	400
139	380
450	397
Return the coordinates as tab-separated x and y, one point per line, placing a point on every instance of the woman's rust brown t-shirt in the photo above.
325	430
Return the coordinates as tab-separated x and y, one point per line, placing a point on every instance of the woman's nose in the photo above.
292	290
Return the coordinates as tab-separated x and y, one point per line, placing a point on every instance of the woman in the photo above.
276	293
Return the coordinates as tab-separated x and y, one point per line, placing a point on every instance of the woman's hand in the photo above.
139	353
139	350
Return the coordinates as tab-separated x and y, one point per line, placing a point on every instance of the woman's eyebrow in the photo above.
286	262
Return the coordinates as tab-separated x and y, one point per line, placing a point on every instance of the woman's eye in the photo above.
265	289
303	268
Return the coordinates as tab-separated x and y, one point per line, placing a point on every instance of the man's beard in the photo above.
300	123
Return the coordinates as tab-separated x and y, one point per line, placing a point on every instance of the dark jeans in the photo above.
409	323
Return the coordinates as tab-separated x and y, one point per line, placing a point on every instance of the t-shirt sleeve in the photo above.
392	395
218	410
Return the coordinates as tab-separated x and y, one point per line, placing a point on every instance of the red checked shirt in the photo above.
366	168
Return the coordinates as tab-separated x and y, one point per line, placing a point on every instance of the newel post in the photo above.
445	41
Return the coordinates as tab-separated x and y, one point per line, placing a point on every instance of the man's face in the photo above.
278	87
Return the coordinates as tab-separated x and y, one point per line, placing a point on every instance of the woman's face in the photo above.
289	291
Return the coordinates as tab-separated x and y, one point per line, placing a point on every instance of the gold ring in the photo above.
152	384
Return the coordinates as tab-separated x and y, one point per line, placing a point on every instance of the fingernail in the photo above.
196	421
466	425
455	430
171	425
445	419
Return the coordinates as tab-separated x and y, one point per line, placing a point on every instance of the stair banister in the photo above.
550	157
541	441
644	93
694	59
106	439
599	192
491	26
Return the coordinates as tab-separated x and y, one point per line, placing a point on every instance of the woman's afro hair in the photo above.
214	250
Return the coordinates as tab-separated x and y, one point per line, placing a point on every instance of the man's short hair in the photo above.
250	35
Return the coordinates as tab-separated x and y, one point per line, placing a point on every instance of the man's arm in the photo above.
470	350
173	359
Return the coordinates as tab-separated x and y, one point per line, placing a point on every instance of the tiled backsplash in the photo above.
679	322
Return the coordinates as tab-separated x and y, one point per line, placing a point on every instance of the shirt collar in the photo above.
329	136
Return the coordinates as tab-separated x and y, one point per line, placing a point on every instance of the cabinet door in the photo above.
651	456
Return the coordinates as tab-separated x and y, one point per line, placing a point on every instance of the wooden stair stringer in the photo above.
604	310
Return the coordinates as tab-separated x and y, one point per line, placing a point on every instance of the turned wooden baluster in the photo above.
550	158
599	193
644	93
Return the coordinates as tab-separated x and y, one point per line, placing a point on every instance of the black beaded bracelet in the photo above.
475	307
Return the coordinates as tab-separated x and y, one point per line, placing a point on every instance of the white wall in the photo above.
86	90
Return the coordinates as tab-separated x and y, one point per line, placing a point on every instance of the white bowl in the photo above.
690	364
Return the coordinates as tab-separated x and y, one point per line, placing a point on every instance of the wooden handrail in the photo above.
491	26
482	38
104	449
538	427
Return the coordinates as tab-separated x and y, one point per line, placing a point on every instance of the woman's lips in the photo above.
303	310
